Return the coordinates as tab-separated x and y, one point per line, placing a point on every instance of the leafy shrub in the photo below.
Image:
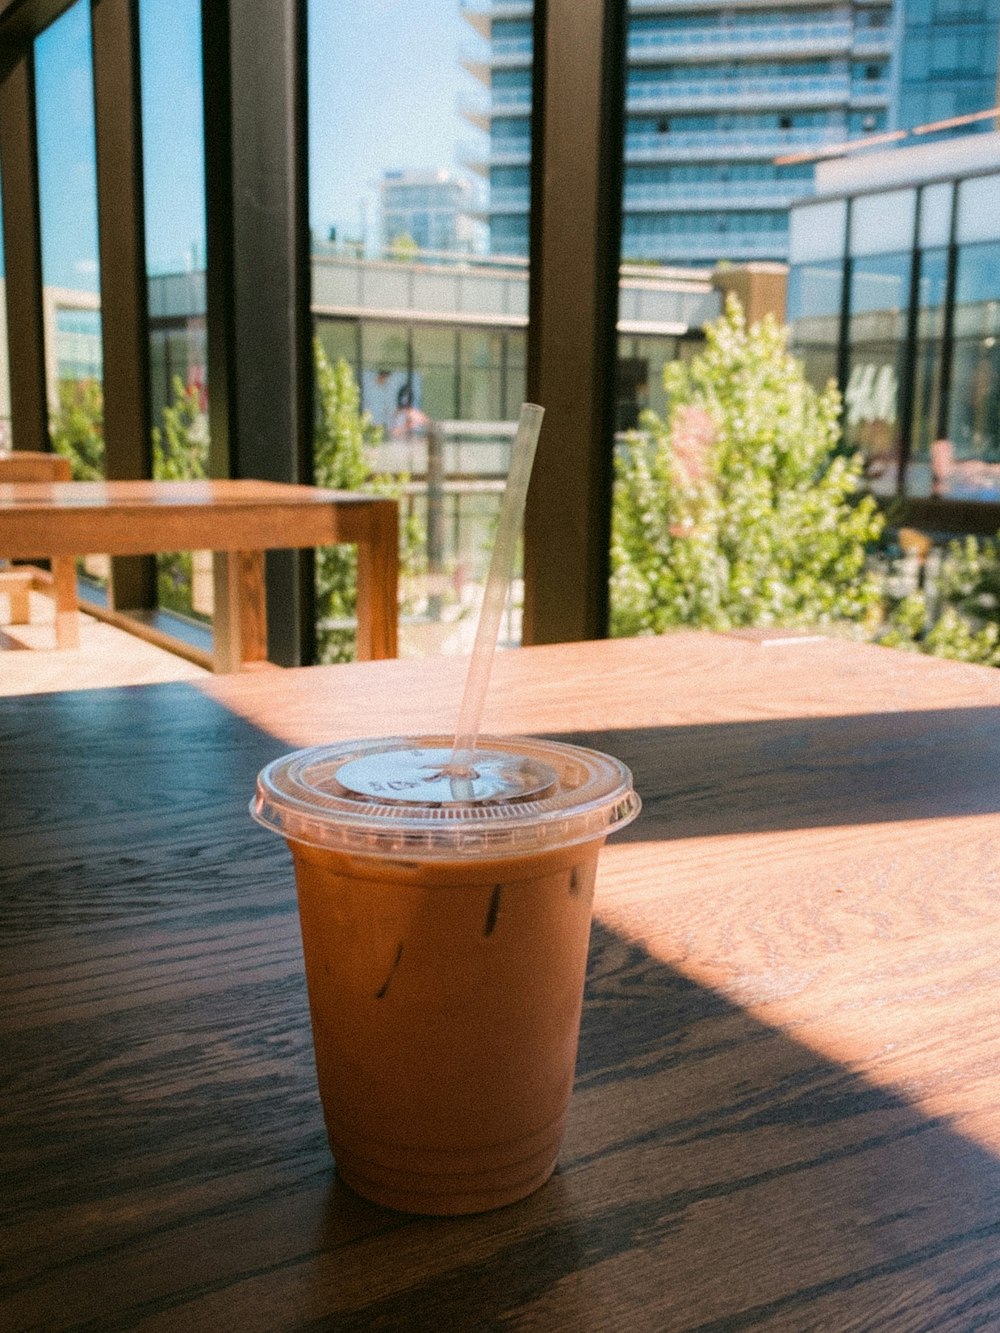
956	613
180	453
343	439
77	428
738	509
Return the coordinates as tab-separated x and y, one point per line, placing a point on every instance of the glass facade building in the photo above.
714	94
894	291
947	64
432	210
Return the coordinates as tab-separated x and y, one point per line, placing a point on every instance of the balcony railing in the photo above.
728	143
511	97
741	36
736	194
693	246
512	46
806	90
864	90
509	199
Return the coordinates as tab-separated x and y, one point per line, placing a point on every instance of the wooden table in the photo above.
786	1114
238	521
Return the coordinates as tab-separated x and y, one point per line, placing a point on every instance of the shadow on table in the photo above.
752	777
717	1174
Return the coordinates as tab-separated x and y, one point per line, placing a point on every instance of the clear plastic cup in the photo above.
445	925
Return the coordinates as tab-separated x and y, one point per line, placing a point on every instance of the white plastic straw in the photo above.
497	586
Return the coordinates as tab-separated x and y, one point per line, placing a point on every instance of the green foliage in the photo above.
957	613
180	453
403	248
180	447
739	509
342	442
77	428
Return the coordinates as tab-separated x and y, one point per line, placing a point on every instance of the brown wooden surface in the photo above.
786	1107
142	517
27	465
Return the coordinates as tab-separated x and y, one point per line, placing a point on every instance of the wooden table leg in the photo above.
64	588
17	585
378	583
239	622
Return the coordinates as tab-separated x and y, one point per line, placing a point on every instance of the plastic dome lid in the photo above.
396	796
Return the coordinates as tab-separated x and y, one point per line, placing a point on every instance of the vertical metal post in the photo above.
23	246
948	323
122	245
259	324
576	198
909	360
435	516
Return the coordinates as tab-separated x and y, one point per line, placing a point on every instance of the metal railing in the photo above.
759	33
773	193
736	91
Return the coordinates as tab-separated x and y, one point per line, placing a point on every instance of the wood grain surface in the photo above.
786	1107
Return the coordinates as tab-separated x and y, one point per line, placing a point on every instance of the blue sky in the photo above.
384	86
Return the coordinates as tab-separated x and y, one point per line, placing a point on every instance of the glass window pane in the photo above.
930	297
419	201
969	467
814	300
979	210
174	195
817	231
879	297
67	183
5	430
935	214
883	223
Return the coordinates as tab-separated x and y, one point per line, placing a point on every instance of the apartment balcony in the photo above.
869	93
725	145
733	41
515	50
509	199
715	194
738	94
510	153
481	15
750	7
707	247
872	43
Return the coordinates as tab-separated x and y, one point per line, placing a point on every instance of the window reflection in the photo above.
928	354
971	470
814	297
878	301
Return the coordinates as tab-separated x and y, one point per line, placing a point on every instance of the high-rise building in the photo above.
715	92
433	209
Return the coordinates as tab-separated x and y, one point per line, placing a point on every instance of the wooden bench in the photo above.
59	583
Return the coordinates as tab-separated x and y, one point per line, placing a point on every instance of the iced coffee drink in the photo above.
445	922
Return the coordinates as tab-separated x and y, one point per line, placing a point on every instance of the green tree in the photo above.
77	428
180	446
738	509
343	440
180	453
